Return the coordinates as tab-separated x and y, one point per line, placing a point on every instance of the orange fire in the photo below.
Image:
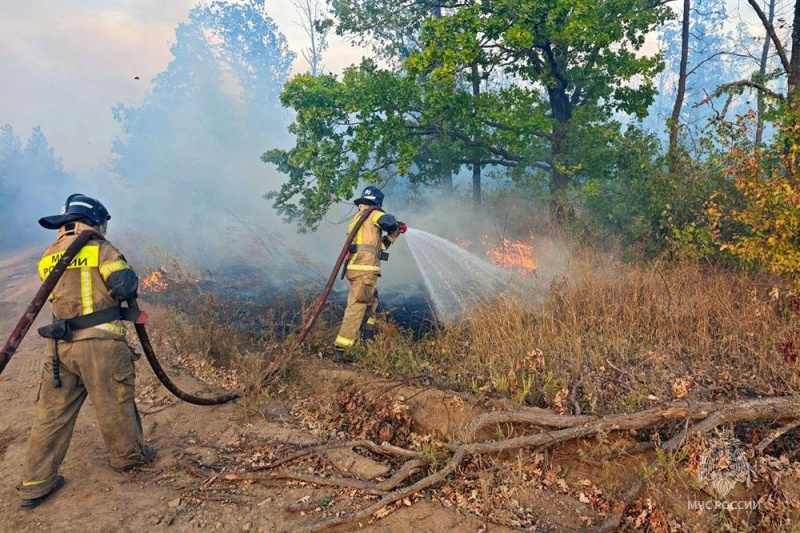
464	242
155	281
516	256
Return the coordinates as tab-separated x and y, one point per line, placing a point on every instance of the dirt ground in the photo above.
163	496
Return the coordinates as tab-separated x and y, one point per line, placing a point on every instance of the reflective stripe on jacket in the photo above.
82	289
368	242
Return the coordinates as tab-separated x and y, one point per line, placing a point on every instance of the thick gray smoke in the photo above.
185	181
32	184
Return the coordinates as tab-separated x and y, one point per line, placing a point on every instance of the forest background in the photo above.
664	127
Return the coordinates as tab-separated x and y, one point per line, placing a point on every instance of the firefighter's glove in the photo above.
403	227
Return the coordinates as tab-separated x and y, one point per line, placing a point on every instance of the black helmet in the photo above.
77	207
371	196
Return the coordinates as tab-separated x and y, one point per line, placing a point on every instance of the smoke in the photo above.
185	181
33	184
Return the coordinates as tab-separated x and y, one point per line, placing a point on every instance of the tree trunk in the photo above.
762	69
476	167
674	123
476	187
562	113
559	180
794	63
446	171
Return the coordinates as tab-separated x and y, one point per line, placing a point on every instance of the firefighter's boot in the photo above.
340	356
367	334
145	457
30	503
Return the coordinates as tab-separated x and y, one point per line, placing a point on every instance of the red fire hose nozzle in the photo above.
403	227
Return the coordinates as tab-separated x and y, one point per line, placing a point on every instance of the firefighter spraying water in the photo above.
360	232
362	268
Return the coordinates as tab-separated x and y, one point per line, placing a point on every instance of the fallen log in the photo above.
709	415
696	417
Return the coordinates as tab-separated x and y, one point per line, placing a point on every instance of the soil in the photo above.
185	487
165	495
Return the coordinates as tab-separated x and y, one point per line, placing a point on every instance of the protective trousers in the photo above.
103	369
363	295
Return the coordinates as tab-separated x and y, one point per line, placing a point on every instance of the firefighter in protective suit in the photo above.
90	354
363	269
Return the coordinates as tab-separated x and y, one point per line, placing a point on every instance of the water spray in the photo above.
451	274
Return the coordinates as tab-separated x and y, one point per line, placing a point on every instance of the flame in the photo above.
155	281
464	243
516	256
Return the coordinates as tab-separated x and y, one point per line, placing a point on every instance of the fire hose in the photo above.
281	364
27	319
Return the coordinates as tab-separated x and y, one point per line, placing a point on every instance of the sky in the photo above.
65	64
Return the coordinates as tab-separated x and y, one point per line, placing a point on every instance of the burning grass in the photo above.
517	256
604	337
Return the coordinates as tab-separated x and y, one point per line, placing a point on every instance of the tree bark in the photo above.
562	113
674	123
762	69
476	167
794	62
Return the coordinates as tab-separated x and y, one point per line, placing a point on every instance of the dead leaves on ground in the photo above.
380	419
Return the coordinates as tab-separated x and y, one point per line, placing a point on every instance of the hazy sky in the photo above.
65	64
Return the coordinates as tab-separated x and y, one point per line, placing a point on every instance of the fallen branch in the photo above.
778	433
709	415
382	449
612	522
392	497
696	416
342	482
531	417
401	475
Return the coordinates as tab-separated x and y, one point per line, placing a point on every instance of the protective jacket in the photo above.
95	361
369	242
96	279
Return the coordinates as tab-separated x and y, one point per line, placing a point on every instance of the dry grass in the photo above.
611	336
605	337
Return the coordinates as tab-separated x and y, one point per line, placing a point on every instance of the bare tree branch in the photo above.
727	87
781	51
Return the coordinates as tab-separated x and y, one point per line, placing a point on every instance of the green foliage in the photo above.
505	84
629	194
345	131
759	220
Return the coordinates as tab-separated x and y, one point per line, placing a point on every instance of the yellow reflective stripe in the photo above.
86	291
33	483
106	269
116	329
358	239
370	321
376	217
366	268
88	257
344	341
